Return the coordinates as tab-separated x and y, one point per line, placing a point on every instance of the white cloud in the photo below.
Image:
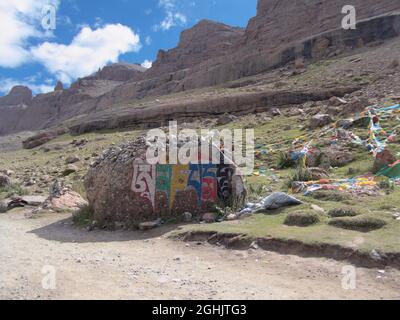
19	21
172	18
148	40
7	84
88	51
98	23
147	64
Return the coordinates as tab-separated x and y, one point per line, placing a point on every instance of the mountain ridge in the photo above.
212	54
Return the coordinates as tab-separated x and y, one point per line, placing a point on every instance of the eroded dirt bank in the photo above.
132	265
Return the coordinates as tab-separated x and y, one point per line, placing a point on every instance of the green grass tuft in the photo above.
330	195
343	212
363	223
83	217
11	190
302	218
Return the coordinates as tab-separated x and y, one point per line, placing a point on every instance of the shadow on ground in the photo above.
65	231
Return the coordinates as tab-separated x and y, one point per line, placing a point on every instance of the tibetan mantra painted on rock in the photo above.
180	188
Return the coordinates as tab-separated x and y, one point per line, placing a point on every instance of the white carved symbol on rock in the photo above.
144	181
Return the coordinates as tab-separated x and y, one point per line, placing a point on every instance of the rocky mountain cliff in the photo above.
21	111
17	96
210	54
205	41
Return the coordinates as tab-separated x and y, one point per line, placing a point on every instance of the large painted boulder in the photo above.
122	188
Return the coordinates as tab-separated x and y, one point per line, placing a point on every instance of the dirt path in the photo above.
133	265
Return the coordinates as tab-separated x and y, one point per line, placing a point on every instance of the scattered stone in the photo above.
58	189
335	157
344	123
42	138
333	111
317	174
280	84
33	201
225	119
299	63
8	173
149	225
187	217
296	112
3	207
383	159
209	217
16	203
79	143
309	104
275	112
355	106
20	202
320	120
375	255
119	225
70	200
395	98
335	101
71	168
394	64
5	181
254	245
231	217
317	208
30	182
313	158
297	72
72	159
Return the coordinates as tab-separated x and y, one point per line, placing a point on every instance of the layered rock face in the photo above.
286	30
19	95
119	72
279	22
281	32
206	40
21	111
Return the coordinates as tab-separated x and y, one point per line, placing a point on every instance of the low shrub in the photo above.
255	191
13	189
302	218
330	195
342	212
83	217
299	174
363	223
285	160
386	184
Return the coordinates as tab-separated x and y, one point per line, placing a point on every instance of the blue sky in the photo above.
91	34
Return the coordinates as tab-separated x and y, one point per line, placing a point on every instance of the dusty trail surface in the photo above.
133	265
